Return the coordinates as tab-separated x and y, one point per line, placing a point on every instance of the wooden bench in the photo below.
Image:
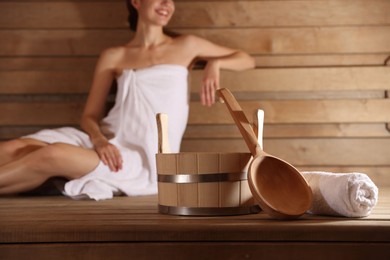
130	228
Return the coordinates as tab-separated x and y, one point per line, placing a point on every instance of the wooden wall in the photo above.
322	75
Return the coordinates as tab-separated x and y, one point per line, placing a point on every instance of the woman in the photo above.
116	154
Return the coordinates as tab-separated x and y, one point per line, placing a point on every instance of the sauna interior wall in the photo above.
321	73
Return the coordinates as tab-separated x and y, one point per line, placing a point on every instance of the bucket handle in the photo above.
162	128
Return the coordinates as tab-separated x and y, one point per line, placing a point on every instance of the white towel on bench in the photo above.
341	194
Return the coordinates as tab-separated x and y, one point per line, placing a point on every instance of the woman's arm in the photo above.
218	57
95	107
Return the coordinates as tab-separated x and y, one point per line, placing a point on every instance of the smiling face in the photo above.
154	12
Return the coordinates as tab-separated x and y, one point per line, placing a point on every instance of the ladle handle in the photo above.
241	121
162	128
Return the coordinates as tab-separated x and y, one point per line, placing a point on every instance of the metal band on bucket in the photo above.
199	178
211	211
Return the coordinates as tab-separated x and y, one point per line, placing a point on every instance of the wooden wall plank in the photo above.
318	40
324	40
263	61
320	60
379	175
60	42
231	131
290	131
299	111
197	14
307	151
278	111
45	82
40	113
303	79
258	80
50	63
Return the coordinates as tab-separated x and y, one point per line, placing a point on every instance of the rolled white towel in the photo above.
341	194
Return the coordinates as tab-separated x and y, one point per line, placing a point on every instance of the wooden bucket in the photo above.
202	184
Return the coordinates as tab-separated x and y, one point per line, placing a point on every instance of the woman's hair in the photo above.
133	16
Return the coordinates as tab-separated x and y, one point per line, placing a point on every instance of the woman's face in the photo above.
156	12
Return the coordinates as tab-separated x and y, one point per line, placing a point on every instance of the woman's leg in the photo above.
17	148
33	169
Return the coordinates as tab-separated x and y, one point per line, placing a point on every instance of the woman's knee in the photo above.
16	147
47	157
63	160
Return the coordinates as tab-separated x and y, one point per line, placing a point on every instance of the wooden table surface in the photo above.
127	226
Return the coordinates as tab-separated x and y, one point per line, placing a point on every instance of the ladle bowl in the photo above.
279	188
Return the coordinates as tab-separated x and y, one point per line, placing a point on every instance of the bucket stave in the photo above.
204	184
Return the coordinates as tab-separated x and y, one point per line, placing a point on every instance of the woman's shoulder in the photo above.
187	38
112	56
191	41
113	52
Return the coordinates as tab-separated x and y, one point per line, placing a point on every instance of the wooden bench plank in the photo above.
195	251
61	220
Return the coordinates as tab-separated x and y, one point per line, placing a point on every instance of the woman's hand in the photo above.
210	82
109	154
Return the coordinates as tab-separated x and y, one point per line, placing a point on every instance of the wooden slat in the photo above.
60	42
379	175
299	111
47	63
281	13
231	131
45	82
321	40
195	14
59	220
40	113
257	80
305	152
303	79
195	251
290	131
12	132
279	111
320	60
263	61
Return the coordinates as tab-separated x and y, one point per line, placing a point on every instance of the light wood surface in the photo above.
162	129
67	81
195	14
61	228
329	40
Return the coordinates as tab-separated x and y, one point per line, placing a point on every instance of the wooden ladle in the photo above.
278	187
